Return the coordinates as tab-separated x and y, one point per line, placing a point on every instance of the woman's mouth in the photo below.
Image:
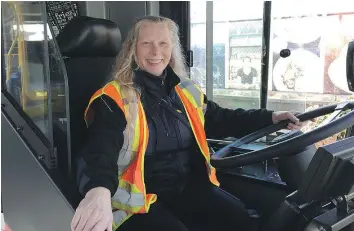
154	61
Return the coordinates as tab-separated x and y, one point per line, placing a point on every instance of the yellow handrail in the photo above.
22	53
9	54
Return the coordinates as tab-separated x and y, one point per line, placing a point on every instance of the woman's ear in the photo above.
172	62
135	65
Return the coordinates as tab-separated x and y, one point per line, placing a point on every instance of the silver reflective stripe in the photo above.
186	83
119	216
127	198
126	155
195	92
124	159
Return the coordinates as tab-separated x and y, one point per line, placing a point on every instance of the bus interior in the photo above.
301	57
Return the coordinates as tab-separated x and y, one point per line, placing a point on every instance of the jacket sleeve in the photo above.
97	161
223	122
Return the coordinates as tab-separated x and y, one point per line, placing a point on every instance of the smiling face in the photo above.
247	62
154	47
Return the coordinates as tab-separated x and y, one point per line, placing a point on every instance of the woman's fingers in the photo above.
94	211
92	220
101	225
292	117
292	126
83	220
109	226
75	221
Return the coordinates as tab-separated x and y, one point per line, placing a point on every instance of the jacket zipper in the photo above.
179	137
179	140
155	124
164	120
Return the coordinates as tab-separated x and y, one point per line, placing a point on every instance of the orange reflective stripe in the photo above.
213	177
144	138
97	94
196	118
198	130
112	92
109	90
139	175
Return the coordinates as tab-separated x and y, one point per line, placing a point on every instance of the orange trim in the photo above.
109	90
141	151
213	177
199	132
112	92
97	94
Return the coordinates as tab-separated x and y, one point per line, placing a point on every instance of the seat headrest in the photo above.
85	36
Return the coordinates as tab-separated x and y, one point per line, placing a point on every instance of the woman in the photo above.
147	163
247	74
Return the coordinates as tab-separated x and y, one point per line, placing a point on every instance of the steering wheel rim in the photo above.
295	144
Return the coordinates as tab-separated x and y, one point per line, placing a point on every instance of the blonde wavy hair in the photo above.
127	61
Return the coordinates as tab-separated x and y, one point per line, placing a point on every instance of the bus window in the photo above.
237	51
314	74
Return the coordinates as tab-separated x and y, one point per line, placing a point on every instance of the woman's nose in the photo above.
154	49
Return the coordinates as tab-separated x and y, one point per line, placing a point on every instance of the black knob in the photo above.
285	53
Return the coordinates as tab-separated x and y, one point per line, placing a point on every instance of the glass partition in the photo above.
35	74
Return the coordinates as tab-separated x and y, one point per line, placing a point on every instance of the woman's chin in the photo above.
155	70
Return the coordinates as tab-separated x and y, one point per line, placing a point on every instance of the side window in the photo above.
314	75
24	59
34	72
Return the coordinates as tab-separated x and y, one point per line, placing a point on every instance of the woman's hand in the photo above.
94	212
286	115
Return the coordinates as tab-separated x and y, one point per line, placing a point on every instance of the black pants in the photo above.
201	206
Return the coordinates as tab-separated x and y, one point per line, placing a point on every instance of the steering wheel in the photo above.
221	159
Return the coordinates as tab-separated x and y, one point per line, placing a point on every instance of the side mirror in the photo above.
350	66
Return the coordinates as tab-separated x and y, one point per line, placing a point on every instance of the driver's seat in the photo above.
89	47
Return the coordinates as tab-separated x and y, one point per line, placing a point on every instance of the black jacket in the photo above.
172	153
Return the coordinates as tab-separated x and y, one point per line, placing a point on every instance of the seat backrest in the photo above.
89	47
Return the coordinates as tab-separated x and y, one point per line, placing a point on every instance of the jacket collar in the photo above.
148	81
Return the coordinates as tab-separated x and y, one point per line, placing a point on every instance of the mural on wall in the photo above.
335	53
245	38
318	48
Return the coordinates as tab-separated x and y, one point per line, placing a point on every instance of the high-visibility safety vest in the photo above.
130	197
